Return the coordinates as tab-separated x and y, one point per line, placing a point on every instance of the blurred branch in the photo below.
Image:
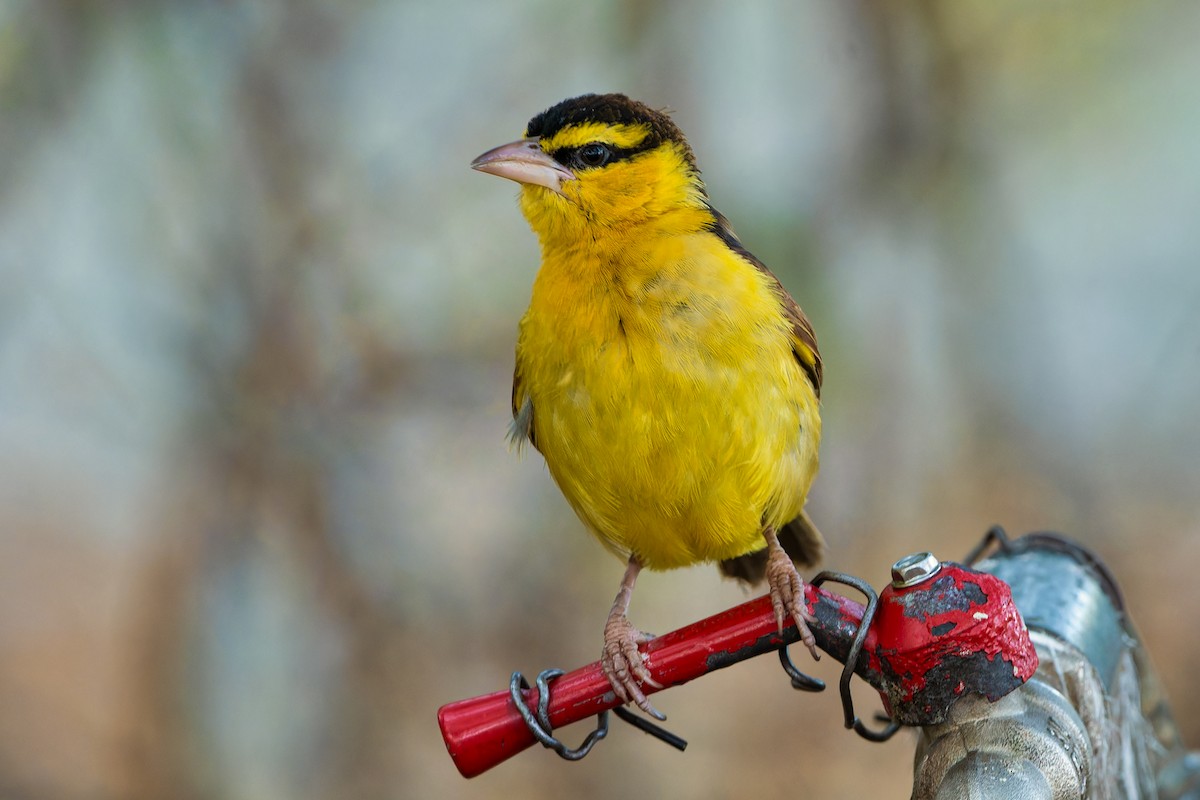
264	403
153	763
45	48
923	83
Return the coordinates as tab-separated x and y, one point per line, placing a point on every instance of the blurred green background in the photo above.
258	519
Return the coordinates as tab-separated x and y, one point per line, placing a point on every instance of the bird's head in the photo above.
599	163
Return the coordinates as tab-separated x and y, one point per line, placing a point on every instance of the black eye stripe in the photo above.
566	155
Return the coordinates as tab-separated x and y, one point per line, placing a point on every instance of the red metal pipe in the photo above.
928	644
483	731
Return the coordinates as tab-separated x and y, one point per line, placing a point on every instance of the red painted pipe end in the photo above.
483	731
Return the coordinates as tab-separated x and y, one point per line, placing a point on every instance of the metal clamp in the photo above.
540	727
995	535
538	721
860	637
801	681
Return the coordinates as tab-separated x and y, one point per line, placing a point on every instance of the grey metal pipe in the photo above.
1090	725
1029	745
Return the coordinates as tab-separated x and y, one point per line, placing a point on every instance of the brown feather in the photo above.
800	540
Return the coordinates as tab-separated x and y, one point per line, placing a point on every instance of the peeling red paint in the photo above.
922	630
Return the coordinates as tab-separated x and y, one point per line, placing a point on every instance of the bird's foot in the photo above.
624	665
787	596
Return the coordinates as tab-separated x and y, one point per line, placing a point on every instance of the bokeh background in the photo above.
258	519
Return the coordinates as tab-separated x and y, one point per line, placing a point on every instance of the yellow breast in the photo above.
667	399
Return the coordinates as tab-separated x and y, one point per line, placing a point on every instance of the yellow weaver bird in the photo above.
668	379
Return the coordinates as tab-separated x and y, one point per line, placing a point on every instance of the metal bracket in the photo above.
539	726
801	681
860	636
538	721
995	535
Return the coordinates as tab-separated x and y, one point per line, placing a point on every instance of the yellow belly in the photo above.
669	405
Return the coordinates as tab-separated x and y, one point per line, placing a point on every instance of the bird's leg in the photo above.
787	591
622	661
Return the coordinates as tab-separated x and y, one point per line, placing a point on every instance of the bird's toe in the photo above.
625	667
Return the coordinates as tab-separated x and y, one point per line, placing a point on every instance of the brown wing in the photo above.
804	339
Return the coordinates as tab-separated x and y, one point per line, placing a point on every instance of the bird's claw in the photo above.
787	597
624	665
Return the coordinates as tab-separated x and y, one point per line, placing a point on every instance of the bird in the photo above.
670	382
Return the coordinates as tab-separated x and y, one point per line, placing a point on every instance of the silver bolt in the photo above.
914	568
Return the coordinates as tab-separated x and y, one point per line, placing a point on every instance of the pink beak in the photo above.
524	161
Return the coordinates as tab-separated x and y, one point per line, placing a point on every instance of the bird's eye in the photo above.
593	155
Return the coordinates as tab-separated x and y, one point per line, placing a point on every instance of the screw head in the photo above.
912	569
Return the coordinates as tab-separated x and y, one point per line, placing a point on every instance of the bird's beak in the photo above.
524	162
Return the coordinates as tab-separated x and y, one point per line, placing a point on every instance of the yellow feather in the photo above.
576	135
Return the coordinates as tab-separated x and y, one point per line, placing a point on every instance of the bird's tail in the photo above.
800	540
